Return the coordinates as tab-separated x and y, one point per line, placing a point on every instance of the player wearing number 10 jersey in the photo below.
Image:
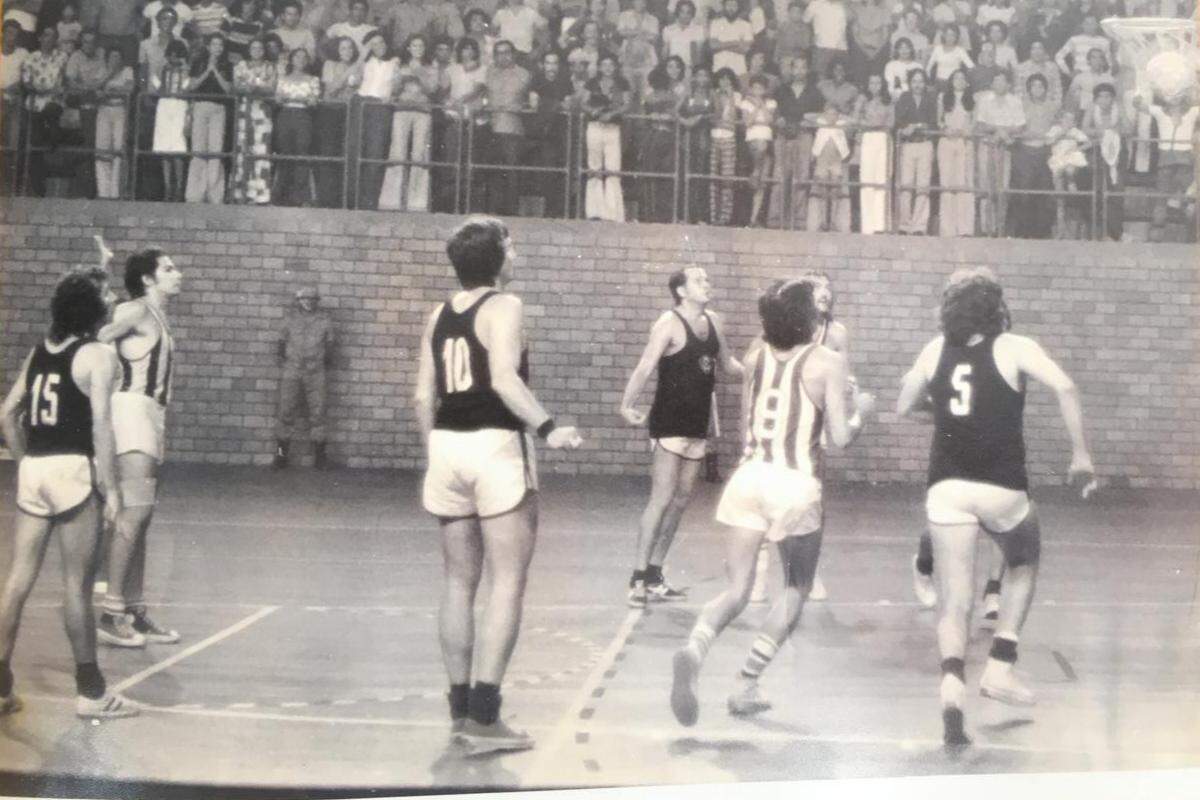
475	409
972	378
793	388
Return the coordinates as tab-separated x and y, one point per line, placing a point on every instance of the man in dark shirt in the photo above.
793	147
547	95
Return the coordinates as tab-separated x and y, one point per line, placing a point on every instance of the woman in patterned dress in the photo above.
254	84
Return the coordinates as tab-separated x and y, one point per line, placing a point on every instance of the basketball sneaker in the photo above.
637	595
494	738
923	587
663	592
116	630
999	682
110	705
953	734
817	593
152	632
748	700
684	704
10	704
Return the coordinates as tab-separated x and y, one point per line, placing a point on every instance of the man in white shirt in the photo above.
1078	46
293	35
685	37
356	28
829	22
182	11
521	25
730	38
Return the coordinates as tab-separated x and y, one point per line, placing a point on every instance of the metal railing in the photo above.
467	167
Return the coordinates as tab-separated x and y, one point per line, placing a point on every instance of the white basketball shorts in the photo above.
482	473
51	485
685	447
760	494
960	502
139	424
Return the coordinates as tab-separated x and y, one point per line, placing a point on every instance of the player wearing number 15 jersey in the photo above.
475	409
972	378
57	420
793	389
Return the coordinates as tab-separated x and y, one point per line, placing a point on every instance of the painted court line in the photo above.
154	669
548	753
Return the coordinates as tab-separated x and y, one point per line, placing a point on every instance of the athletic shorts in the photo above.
51	485
960	502
760	494
685	447
478	473
139	424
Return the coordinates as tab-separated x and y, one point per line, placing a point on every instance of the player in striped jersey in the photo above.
793	390
145	348
973	379
58	424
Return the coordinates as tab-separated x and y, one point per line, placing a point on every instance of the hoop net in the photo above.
1161	50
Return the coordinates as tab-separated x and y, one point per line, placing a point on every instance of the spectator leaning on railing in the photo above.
507	96
340	78
797	98
916	122
297	92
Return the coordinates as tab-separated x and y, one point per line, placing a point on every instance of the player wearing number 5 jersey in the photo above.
793	389
972	378
57	422
475	411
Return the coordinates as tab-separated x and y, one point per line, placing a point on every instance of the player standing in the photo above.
686	344
475	409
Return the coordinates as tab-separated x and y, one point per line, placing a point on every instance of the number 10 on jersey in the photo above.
456	365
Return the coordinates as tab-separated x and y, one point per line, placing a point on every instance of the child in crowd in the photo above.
1066	159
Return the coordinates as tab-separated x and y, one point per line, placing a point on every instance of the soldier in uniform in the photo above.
305	350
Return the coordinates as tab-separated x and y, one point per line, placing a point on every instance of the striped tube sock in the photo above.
761	653
701	640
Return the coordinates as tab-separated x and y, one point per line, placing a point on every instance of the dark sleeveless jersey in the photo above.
978	432
683	398
467	401
58	415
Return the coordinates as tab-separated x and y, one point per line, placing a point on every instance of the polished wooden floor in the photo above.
310	656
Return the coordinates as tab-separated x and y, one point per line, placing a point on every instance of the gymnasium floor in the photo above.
310	656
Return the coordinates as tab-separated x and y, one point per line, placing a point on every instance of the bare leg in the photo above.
126	565
686	475
508	542
30	537
462	553
79	539
663	482
954	554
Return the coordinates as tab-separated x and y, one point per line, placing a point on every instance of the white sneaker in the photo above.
109	706
748	700
923	587
818	594
999	682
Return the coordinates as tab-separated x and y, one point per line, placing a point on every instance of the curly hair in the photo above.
77	308
788	313
973	303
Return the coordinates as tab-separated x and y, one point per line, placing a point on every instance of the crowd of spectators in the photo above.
871	115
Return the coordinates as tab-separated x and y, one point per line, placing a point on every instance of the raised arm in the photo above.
425	396
11	412
660	339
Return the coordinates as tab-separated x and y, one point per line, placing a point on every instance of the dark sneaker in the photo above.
155	634
116	630
664	592
952	725
684	703
637	595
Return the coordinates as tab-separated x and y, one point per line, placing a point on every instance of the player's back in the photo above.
978	418
58	419
467	400
784	424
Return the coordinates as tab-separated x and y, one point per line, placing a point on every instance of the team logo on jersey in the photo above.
706	364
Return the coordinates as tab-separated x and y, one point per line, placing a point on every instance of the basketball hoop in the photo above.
1162	52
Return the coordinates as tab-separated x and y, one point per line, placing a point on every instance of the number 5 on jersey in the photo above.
456	363
960	403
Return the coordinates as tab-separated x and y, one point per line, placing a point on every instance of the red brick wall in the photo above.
1122	319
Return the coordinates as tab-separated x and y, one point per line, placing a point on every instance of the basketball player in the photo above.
146	350
475	409
793	389
685	346
832	334
974	376
57	422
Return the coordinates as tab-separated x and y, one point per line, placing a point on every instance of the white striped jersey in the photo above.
784	425
151	373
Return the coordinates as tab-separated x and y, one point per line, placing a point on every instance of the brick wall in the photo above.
1122	319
